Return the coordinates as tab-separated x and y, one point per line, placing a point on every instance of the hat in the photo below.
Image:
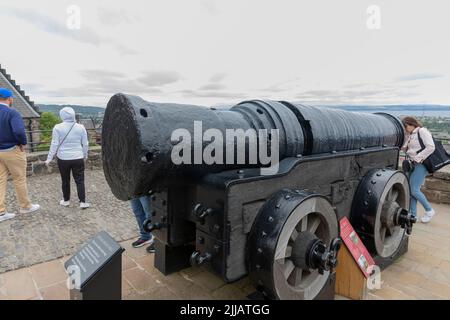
5	93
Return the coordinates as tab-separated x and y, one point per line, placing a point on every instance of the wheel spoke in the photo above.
294	234
296	277
314	225
283	253
392	195
304	224
279	267
388	232
383	233
389	195
288	252
288	268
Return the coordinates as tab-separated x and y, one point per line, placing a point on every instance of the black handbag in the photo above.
438	159
407	166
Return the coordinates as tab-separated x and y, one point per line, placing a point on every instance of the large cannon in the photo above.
280	228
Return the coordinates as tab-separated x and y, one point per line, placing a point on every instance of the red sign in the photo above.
356	247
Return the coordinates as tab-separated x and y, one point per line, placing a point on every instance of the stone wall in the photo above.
437	187
36	162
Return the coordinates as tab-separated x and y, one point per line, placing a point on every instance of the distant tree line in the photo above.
439	124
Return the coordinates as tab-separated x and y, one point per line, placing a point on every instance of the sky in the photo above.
212	52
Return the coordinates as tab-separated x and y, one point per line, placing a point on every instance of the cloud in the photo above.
50	25
115	17
101	74
124	50
218	77
105	83
357	85
101	82
101	89
340	95
283	86
70	92
215	83
29	87
159	78
212	94
273	89
385	95
213	86
210	6
420	76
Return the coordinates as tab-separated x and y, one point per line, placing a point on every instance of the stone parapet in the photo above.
437	187
36	162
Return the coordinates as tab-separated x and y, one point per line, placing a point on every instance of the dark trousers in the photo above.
77	169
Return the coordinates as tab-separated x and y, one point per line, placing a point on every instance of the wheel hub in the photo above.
309	252
302	248
389	214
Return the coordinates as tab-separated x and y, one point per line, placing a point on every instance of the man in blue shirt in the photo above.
13	159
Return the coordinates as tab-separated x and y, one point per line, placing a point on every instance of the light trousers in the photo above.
14	162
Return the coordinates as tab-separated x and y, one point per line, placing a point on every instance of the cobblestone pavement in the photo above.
422	273
56	231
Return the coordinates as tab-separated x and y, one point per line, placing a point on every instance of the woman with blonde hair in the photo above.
417	154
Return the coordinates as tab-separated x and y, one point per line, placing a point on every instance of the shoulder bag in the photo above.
438	159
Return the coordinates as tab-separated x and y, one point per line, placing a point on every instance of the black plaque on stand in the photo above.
95	271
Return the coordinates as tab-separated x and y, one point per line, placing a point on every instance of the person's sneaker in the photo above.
32	209
151	248
6	216
140	243
64	203
428	216
84	205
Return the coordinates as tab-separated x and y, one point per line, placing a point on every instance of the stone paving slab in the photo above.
55	231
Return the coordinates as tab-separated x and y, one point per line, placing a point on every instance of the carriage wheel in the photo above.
382	198
288	247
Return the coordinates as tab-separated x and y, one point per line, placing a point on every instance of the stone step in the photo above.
437	184
437	196
442	174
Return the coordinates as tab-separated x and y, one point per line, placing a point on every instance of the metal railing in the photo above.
94	138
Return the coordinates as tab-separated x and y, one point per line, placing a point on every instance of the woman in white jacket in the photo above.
417	154
70	145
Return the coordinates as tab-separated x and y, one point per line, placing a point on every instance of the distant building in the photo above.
26	108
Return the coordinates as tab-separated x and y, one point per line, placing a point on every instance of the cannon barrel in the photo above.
137	137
